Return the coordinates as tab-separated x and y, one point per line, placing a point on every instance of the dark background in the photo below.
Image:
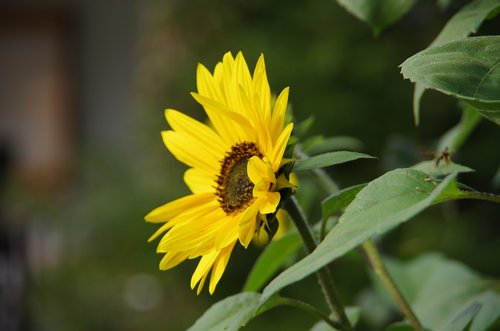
83	86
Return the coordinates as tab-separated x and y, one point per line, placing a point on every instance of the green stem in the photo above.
323	274
312	310
480	196
380	270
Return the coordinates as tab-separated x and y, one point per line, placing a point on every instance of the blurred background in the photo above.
83	86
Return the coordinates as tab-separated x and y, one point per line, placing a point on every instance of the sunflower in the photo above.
233	168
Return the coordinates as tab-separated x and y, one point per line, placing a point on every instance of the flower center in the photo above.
234	188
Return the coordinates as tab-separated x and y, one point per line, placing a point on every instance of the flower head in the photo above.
233	166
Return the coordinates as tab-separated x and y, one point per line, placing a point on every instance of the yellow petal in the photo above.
203	267
278	115
232	126
228	234
262	90
198	181
174	208
256	170
197	236
190	152
280	147
247	224
207	85
202	134
268	202
219	267
201	283
171	260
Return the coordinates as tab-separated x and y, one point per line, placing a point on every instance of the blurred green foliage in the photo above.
337	71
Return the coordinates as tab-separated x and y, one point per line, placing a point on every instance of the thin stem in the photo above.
323	274
380	270
312	310
478	196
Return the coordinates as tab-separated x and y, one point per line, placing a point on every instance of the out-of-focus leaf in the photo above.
463	23
352	313
340	200
379	14
334	143
328	159
455	137
229	314
441	290
444	168
303	127
463	319
400	326
467	69
383	204
271	260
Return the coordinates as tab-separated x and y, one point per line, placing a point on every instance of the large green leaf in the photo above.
445	295
328	159
229	314
384	203
276	254
463	23
463	319
378	13
467	69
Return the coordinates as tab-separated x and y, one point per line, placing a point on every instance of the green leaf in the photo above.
276	254
304	127
400	326
444	168
229	314
463	23
490	111
467	69
455	137
353	314
378	13
384	203
441	291
463	319
339	200
328	159
333	143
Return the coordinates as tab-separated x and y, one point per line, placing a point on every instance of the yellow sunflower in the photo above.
233	168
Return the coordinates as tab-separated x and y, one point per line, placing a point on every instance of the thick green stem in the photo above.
323	274
380	270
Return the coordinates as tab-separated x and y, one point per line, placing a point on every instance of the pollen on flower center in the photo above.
234	188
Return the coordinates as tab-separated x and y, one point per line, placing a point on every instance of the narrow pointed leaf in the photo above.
328	159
